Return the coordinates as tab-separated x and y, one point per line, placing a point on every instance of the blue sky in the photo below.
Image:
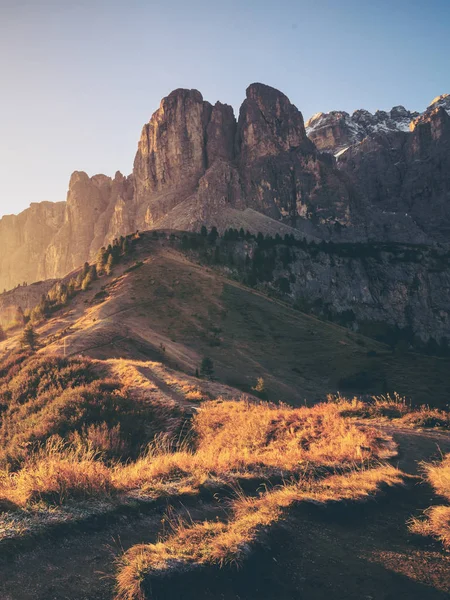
79	78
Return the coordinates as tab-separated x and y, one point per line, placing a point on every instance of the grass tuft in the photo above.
436	519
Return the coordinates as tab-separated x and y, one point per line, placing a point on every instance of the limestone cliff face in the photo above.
283	174
182	140
23	239
97	210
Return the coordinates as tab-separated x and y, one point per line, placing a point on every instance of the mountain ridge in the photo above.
197	164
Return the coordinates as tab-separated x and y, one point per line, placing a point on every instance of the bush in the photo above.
66	397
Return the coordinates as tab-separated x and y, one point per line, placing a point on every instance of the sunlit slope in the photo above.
172	310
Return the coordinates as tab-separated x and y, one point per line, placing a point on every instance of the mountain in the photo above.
399	162
197	164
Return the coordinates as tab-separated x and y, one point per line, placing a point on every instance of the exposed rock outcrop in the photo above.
97	210
22	297
283	175
24	239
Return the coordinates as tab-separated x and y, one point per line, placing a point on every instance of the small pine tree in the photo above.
101	259
109	265
207	368
203	231
91	276
213	235
29	337
125	246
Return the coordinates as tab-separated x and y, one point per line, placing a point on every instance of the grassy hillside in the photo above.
170	309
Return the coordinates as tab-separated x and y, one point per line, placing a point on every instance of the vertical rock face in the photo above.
182	140
268	124
171	152
220	134
97	210
283	175
23	239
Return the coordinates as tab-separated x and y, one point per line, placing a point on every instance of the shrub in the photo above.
427	417
66	397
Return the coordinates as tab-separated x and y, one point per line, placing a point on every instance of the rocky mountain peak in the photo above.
335	131
268	123
442	100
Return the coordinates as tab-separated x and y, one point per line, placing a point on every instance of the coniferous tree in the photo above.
213	235
203	231
101	260
109	265
125	246
207	368
91	276
29	337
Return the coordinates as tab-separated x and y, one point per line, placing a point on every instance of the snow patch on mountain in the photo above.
336	131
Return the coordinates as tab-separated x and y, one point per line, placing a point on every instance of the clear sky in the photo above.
79	78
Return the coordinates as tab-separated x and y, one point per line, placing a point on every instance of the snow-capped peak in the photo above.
337	130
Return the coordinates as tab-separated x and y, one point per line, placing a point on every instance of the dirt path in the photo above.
362	552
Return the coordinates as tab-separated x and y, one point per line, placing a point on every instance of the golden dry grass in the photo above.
225	542
55	474
244	439
391	406
436	519
225	442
